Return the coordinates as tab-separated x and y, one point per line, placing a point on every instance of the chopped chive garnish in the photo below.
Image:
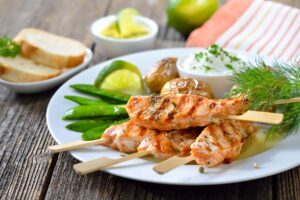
207	68
229	66
198	56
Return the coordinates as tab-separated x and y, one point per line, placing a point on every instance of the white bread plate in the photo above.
39	86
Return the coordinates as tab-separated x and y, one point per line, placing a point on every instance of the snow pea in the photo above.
97	132
88	124
90	89
94	111
86	101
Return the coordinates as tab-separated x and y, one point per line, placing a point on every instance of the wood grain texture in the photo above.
25	165
101	185
28	171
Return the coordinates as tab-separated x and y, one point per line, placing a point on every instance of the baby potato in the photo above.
163	71
187	86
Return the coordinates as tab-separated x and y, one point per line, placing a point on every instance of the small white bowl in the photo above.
112	47
39	86
218	83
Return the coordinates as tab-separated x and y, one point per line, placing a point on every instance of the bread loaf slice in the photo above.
49	49
24	70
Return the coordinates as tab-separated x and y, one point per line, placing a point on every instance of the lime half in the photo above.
121	76
127	23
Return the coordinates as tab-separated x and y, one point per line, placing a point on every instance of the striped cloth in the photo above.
262	27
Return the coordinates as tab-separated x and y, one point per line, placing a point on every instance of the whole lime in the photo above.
186	15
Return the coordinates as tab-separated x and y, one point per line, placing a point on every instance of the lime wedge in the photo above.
121	76
127	23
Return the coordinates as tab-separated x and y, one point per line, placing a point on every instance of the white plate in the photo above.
282	157
39	86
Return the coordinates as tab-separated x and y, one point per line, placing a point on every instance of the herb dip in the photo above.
213	61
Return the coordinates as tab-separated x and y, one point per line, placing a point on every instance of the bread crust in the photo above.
51	60
44	57
10	73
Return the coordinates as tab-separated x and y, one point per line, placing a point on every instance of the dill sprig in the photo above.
291	120
263	85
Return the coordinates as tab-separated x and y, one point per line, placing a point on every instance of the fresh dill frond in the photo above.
262	85
291	120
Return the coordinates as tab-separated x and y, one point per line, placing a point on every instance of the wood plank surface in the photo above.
28	171
25	165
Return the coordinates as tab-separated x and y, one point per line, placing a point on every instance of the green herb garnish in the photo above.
214	50
229	66
263	85
217	51
152	112
174	104
201	170
291	120
9	48
234	58
153	100
198	56
207	68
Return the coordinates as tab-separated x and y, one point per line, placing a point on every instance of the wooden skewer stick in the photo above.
172	163
165	166
104	162
285	101
75	145
257	116
101	163
254	116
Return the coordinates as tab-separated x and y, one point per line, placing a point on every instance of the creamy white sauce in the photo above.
213	61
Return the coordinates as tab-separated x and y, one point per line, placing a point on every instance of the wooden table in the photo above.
29	171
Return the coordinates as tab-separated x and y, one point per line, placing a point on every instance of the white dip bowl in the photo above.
112	47
219	83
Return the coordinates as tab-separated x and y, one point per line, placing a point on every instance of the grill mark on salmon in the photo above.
193	109
163	104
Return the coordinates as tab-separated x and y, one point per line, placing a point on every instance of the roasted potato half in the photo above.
187	86
163	71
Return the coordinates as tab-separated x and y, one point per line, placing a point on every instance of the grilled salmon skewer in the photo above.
181	111
129	137
263	117
218	143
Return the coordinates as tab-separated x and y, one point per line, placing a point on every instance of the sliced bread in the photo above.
24	70
49	49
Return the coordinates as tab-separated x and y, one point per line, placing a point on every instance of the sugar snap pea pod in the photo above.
85	125
86	101
97	132
94	133
90	89
94	111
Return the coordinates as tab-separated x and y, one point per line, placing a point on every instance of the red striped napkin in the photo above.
261	27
